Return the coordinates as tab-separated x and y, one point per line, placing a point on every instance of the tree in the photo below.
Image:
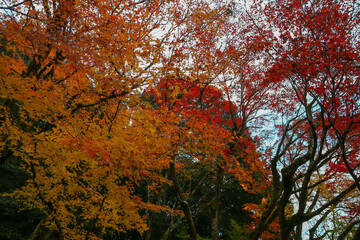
196	107
313	60
115	108
74	73
206	104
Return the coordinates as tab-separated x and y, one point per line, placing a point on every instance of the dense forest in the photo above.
179	119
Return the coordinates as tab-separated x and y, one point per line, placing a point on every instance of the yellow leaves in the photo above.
76	118
176	91
76	179
289	210
245	187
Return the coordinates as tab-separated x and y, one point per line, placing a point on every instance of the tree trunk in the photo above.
357	234
285	233
215	208
184	203
298	233
214	223
171	227
41	232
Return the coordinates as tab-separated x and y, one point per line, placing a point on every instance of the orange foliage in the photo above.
71	76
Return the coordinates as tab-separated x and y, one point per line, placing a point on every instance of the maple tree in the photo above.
71	80
207	103
197	105
120	111
311	51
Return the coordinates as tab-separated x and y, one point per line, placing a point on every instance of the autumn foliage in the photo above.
125	113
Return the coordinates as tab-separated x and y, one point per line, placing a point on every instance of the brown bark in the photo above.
183	202
215	207
41	232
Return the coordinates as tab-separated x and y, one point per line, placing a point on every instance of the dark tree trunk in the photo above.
215	208
184	203
41	232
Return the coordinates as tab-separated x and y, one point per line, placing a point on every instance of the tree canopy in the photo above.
175	119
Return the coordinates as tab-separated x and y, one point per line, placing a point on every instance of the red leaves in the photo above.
191	99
